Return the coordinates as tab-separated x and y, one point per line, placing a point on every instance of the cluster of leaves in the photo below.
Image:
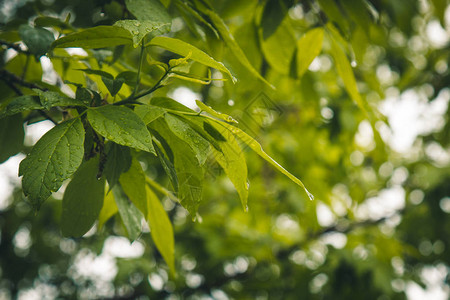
97	141
281	248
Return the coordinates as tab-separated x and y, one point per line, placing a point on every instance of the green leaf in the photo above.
272	16
54	158
51	99
128	77
97	72
345	71
19	104
183	131
255	146
161	229
113	85
149	113
167	164
133	184
131	216
233	45
170	104
51	22
212	112
95	37
108	210
189	172
308	47
118	161
83	200
279	47
122	126
184	49
232	160
151	10
38	40
139	29
11	136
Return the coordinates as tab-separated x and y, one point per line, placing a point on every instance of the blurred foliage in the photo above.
380	221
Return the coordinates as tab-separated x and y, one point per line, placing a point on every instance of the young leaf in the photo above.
161	229
11	136
118	161
133	184
54	158
83	200
108	210
308	47
255	146
345	71
233	45
149	113
183	131
95	37
139	29
38	40
182	48
131	216
212	112
151	10
232	160
122	126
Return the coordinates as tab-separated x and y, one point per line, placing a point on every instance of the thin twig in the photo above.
132	99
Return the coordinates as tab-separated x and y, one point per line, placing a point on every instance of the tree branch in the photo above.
19	93
8	76
14	47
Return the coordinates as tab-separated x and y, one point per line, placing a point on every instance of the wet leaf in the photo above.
54	158
122	126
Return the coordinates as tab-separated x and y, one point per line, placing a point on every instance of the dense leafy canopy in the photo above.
209	193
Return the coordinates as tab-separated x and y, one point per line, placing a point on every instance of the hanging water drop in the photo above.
311	196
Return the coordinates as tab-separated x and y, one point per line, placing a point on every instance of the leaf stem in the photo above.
138	77
132	99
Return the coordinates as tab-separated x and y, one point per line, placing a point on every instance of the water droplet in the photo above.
246	208
247	186
354	63
311	196
231	119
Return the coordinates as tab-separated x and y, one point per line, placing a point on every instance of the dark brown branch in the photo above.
14	47
19	93
8	76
